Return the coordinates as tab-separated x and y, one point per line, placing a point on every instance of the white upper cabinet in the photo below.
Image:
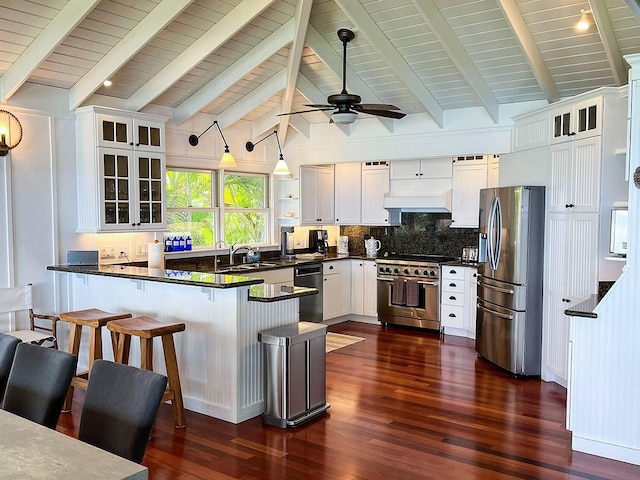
348	193
121	176
575	121
574	184
316	195
420	169
118	131
469	177
375	183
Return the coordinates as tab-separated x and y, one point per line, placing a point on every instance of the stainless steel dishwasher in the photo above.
310	305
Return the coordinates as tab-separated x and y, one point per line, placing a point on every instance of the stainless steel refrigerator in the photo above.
510	268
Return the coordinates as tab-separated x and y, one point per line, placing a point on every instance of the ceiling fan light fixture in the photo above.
344	118
584	23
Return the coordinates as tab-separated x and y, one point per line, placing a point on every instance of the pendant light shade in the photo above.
584	23
281	167
344	118
227	160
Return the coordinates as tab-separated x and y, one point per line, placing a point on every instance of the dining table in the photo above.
29	451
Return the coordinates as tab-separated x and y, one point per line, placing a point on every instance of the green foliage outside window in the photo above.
189	205
243	192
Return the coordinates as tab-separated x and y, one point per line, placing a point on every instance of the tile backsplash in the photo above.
419	233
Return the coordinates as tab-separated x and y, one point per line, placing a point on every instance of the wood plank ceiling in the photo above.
253	59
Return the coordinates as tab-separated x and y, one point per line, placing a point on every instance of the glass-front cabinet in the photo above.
121	171
132	190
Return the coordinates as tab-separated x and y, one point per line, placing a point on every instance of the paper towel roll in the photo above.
155	255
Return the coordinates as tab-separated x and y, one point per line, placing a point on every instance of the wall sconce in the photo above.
281	166
9	128
227	159
584	23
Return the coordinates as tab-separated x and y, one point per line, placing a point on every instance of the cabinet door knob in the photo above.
417	174
452	297
571	134
452	314
452	284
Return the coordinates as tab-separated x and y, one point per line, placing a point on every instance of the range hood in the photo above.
437	203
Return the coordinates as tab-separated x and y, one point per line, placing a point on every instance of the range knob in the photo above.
388	270
432	273
417	272
426	273
395	270
406	271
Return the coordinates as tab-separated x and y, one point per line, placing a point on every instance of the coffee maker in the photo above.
287	250
318	241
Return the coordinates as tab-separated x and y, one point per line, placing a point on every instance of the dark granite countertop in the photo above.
585	308
182	277
266	292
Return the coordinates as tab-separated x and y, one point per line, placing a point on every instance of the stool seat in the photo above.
146	329
94	319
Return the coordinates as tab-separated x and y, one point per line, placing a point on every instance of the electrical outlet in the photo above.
108	252
142	250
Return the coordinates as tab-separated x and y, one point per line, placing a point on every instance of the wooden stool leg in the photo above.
75	333
122	349
174	380
95	346
146	353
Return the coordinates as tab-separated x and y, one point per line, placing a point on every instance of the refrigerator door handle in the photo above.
493	312
498	227
490	237
509	291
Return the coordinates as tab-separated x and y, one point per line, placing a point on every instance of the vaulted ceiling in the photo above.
253	59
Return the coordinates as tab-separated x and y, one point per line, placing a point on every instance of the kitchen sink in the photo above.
246	267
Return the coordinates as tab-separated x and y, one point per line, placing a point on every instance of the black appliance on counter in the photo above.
318	241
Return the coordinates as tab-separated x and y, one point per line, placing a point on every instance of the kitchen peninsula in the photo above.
219	356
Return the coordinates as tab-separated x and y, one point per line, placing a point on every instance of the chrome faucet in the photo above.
233	250
215	253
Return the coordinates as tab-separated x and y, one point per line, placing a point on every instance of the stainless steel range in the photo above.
409	290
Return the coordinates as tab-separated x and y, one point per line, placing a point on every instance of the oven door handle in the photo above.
493	312
509	291
428	284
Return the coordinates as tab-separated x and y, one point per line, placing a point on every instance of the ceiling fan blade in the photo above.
384	113
376	106
306	111
318	105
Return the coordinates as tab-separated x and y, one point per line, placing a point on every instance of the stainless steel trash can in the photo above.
295	388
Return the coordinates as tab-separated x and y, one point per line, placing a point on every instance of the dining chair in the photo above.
8	346
38	383
120	407
42	328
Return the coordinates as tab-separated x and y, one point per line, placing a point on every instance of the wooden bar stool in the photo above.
146	329
94	319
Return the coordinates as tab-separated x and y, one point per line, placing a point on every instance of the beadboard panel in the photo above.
219	356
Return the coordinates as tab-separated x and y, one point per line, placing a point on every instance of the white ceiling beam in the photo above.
312	93
301	17
256	98
459	56
209	42
238	70
519	28
267	122
378	40
605	30
132	43
46	42
300	125
333	61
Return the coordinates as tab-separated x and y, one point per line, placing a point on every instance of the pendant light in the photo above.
281	166
227	160
584	23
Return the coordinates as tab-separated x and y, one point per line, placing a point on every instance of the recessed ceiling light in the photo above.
107	83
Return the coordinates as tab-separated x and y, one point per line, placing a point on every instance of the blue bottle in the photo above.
189	244
175	244
168	244
182	242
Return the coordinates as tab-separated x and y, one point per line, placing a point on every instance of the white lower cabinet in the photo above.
336	293
364	294
458	300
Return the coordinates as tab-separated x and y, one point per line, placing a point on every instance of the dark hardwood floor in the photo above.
405	404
